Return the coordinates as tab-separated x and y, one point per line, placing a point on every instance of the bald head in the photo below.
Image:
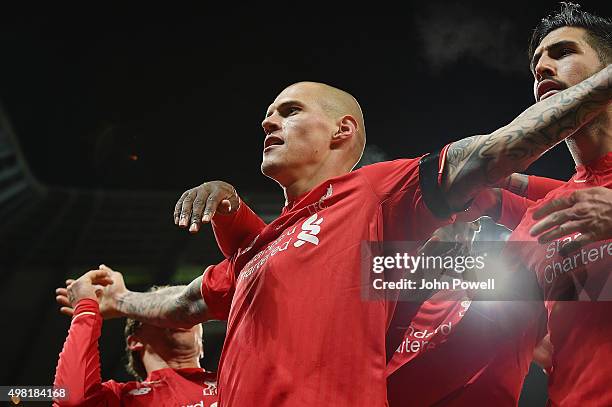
338	103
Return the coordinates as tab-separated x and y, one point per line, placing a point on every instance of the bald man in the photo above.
303	327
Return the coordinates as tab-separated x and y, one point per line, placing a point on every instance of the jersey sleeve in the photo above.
78	368
538	187
236	230
218	287
513	208
404	188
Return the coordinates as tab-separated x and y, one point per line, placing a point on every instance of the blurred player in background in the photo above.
165	362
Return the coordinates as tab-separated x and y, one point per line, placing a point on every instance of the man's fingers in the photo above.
553	206
576	244
563	229
101	277
62	300
211	206
67	311
185	213
233	202
178	207
225	206
69	281
197	210
554	219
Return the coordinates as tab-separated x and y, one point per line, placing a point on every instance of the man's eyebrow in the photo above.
554	46
282	105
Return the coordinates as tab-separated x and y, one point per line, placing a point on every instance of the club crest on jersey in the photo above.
310	230
210	389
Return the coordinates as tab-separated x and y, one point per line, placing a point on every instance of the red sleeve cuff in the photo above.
217	290
86	305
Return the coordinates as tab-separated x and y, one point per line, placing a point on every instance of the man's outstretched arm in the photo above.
484	160
170	307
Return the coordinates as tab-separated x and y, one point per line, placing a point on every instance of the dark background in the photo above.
111	114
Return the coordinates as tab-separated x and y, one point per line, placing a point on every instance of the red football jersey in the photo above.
300	332
78	371
456	352
578	298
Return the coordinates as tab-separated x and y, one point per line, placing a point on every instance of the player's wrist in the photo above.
118	306
86	306
86	302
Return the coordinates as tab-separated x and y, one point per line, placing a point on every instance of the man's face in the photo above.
563	59
164	340
298	133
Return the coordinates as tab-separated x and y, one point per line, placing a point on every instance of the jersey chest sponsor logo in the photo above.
554	265
307	235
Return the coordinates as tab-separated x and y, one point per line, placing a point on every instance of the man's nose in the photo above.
545	68
270	124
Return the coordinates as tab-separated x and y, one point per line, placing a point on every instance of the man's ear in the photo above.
134	343
347	127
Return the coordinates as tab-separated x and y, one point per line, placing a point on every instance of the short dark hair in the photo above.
599	29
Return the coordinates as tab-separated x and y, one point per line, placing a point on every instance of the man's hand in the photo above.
88	285
103	285
201	203
588	211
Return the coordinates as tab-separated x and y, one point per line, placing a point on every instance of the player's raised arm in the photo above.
484	160
171	307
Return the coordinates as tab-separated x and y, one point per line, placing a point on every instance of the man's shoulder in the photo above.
389	165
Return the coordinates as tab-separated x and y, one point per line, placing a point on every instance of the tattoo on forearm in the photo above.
484	160
517	184
179	306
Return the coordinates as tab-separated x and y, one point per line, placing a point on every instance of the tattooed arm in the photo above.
171	307
515	183
485	160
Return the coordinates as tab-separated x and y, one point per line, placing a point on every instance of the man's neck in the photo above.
303	185
592	141
153	361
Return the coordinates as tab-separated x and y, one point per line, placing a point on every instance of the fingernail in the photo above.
206	218
193	227
183	221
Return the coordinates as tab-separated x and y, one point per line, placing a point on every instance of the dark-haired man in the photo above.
474	364
566	47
